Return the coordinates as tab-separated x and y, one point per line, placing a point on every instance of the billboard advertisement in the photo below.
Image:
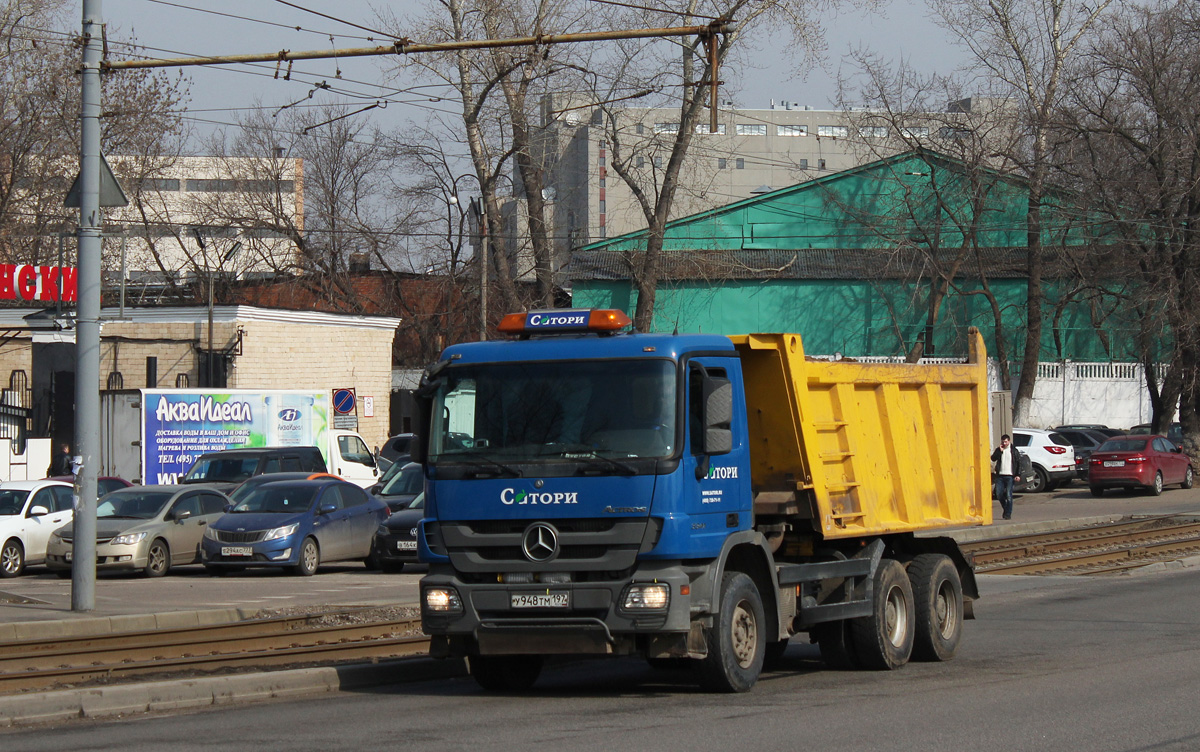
178	425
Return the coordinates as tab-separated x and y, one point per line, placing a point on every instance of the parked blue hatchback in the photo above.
297	524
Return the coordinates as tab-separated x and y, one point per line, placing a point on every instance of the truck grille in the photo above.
585	545
229	536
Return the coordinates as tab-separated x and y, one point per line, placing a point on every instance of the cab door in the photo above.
352	460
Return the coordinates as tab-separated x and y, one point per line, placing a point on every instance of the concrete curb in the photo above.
104	625
991	532
181	694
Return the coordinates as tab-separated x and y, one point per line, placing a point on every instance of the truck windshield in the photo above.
555	410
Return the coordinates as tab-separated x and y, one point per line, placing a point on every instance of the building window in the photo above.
666	127
874	131
703	130
833	131
602	182
953	134
917	132
752	129
247	186
658	162
739	163
639	162
803	164
603	205
640	128
602	161
791	130
160	184
722	163
820	164
181	381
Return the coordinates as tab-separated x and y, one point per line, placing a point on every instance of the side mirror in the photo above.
182	515
327	508
228	508
38	511
718	415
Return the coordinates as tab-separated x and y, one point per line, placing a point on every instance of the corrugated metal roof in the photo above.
823	263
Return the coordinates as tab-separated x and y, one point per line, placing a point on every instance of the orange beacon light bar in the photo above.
599	320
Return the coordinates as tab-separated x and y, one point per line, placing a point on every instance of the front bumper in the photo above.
108	556
284	552
396	548
592	622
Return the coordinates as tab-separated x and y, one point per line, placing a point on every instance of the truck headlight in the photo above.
280	533
128	539
442	600
646	596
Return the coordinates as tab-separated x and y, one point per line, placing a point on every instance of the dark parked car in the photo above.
396	539
229	467
296	524
104	484
1085	442
1174	432
1149	462
403	487
395	449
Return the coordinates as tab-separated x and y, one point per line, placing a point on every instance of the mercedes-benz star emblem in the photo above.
540	542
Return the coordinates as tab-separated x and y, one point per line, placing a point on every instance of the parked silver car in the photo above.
147	528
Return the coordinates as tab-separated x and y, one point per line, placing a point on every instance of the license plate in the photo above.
406	545
541	600
1114	463
237	551
70	554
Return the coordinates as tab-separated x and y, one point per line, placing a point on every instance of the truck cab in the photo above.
589	492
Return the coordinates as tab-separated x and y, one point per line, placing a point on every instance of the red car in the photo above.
1138	462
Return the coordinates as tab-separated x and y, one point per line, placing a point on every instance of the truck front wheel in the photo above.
884	640
937	595
737	642
505	673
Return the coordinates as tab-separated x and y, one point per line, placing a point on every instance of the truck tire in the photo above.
836	645
938	603
737	640
505	673
884	640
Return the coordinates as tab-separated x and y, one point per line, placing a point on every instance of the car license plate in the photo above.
406	545
1114	463
237	551
541	600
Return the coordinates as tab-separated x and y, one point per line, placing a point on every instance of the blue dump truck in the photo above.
693	498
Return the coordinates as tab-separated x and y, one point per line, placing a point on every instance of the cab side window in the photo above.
63	501
352	496
332	495
353	449
43	498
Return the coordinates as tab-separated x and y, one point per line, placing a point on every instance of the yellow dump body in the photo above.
866	448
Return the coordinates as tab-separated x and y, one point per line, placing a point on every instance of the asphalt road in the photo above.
1089	664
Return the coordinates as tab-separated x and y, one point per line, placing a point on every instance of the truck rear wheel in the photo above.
884	640
505	673
737	640
836	644
938	601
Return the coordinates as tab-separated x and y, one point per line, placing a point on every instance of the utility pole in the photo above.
87	319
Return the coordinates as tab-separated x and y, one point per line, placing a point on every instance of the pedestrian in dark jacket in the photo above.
60	464
1006	463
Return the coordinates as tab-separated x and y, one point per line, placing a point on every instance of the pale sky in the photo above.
175	28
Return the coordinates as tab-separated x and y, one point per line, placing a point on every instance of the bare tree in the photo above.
1134	150
1027	48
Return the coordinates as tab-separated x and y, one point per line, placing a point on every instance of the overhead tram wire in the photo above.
338	20
277	24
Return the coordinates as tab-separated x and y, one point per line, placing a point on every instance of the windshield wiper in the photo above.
588	453
481	460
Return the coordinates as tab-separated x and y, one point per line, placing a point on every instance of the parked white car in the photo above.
1052	455
30	510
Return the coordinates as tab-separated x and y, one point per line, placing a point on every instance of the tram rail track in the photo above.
256	643
1099	549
